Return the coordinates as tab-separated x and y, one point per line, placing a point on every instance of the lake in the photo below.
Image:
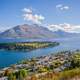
8	58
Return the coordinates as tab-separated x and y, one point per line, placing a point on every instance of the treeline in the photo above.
27	45
23	74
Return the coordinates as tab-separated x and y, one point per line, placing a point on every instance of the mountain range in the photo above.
64	34
28	31
34	32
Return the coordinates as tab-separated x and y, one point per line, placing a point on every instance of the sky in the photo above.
56	14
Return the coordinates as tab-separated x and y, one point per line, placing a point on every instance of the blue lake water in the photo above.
11	57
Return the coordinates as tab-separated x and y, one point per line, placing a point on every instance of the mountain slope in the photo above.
28	31
61	33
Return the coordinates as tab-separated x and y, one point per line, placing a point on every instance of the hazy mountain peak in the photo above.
28	31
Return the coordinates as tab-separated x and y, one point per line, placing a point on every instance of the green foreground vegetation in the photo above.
27	46
62	66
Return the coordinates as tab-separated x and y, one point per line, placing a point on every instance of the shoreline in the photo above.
42	60
53	54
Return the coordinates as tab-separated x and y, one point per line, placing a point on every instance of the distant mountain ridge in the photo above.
61	33
35	32
28	31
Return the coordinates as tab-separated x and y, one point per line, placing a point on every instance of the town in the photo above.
41	66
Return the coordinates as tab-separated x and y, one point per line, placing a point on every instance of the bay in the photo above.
8	58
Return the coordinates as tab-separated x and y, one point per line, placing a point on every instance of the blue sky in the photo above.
14	12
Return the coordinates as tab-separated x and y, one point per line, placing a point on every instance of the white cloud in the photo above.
65	27
62	7
27	10
59	5
29	16
4	27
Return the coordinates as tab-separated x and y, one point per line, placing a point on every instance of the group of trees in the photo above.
27	45
75	60
64	75
19	75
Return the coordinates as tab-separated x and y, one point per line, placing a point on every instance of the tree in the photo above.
75	61
22	74
11	77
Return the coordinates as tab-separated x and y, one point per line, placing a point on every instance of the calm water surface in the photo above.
11	57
